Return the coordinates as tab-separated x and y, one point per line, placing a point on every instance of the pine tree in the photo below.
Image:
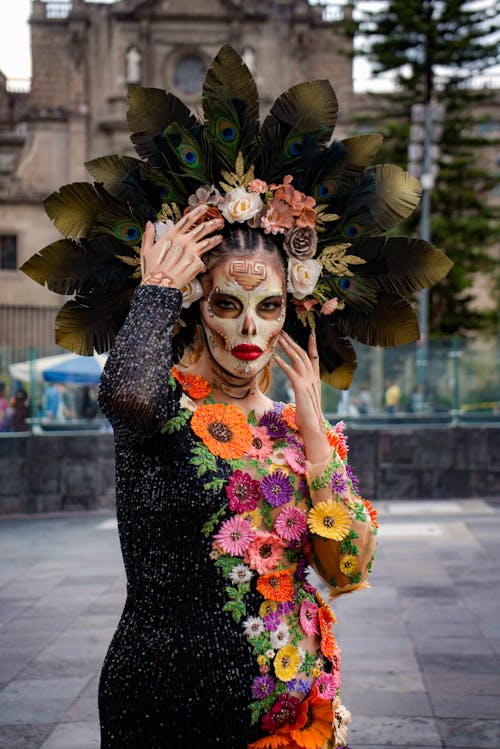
435	50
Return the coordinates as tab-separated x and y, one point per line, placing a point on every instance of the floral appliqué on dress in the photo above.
263	538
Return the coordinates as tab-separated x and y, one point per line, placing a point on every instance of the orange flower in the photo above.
195	386
313	725
288	416
223	429
328	643
270	742
336	442
372	511
277	586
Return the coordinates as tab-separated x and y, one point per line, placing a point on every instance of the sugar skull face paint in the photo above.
244	313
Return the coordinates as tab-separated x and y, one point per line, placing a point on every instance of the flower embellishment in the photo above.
291	524
277	586
262	446
330	520
223	429
243	492
276	488
195	386
265	552
235	536
309	618
287	662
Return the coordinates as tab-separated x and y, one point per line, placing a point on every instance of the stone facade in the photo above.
60	471
84	57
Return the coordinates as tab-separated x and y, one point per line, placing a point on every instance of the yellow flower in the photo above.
348	564
287	662
267	607
316	672
254	517
262	660
330	520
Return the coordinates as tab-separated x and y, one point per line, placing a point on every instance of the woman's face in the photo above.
243	312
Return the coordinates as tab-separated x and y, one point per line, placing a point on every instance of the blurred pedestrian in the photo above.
3	408
363	401
416	404
20	411
392	397
52	403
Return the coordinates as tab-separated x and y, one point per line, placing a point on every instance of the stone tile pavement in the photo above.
421	648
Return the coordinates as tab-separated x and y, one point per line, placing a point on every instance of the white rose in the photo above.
161	227
240	205
191	292
302	276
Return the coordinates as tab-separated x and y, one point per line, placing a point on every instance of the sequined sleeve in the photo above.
343	525
134	392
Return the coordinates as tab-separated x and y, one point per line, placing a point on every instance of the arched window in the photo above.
133	65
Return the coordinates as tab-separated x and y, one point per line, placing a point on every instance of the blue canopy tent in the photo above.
78	370
67	368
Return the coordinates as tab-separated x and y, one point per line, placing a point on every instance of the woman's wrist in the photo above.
316	445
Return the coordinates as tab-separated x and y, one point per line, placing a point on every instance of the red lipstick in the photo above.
246	352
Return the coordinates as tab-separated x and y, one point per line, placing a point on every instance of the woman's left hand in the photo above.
303	373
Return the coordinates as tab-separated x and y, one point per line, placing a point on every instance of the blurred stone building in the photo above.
84	56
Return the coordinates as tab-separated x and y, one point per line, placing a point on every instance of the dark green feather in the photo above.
401	264
91	322
391	322
84	210
230	107
68	267
150	111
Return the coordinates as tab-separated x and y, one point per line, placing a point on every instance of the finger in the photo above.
209	243
287	369
207	227
148	236
297	356
313	353
191	218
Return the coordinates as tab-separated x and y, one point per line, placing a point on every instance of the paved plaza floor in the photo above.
420	649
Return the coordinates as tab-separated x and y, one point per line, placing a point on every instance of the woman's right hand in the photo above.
175	259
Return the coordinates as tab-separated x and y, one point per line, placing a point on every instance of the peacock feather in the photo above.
231	108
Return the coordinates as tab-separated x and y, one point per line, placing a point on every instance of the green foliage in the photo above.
434	50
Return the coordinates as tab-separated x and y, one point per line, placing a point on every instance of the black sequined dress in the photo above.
223	640
175	675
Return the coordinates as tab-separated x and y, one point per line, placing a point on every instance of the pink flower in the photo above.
339	429
258	185
326	686
295	459
307	215
262	445
278	218
243	492
265	551
309	618
291	524
235	536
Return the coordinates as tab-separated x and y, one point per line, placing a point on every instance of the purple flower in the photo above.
262	687
276	489
304	686
291	685
354	478
276	427
272	621
301	571
285	607
294	441
338	483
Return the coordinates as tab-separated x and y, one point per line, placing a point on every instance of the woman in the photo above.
213	510
224	497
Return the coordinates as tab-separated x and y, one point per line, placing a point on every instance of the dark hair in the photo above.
237	241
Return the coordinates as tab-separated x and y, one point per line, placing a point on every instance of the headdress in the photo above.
346	279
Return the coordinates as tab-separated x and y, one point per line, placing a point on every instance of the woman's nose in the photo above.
248	326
